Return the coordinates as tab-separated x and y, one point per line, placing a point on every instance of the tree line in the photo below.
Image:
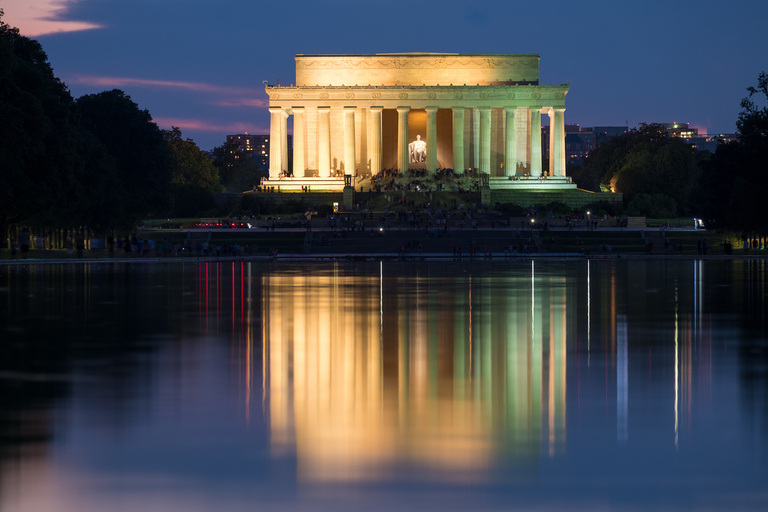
98	160
662	176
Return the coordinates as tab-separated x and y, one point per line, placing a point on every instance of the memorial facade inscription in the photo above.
367	113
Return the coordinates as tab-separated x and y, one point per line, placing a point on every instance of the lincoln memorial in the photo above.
355	115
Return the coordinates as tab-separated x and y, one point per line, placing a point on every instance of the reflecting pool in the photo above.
503	385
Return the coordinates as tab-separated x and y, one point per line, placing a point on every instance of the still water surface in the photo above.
544	385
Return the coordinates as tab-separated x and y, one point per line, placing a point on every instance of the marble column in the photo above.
523	139
485	140
551	115
402	138
299	137
458	139
275	136
431	139
374	134
349	141
535	141
324	142
475	138
558	155
284	141
510	151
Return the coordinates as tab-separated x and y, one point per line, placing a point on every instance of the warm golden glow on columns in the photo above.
458	139
510	151
558	153
275	137
299	137
431	139
551	115
324	141
374	134
485	140
523	136
349	140
475	138
283	141
402	138
535	141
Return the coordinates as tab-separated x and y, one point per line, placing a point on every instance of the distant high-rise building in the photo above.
255	146
578	143
602	134
682	130
702	142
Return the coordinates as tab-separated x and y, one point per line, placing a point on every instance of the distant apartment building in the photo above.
578	143
254	146
681	130
602	134
702	142
710	142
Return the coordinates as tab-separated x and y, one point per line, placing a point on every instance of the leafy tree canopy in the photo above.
736	179
37	132
644	161
237	169
194	177
142	161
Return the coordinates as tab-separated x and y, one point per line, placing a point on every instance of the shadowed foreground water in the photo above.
546	385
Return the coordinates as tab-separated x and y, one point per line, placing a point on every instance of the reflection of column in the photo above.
535	141
374	133
476	138
558	154
275	136
284	141
299	131
324	142
349	140
510	153
402	138
622	382
458	139
485	140
431	139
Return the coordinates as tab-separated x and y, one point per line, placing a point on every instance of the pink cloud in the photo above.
41	17
114	81
201	125
243	102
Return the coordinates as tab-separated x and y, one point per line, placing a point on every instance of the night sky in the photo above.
200	64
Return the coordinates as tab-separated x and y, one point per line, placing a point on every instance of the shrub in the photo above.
515	210
652	205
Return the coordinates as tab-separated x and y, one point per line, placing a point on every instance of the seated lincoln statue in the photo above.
418	150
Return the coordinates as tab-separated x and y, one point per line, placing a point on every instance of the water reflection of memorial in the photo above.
367	374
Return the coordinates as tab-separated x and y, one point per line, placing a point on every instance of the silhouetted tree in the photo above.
194	178
736	179
142	162
645	161
38	132
237	169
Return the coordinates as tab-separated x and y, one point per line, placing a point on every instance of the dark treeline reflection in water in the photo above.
577	385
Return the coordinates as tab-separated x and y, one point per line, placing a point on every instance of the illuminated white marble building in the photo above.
362	113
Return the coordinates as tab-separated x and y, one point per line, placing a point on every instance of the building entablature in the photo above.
449	96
